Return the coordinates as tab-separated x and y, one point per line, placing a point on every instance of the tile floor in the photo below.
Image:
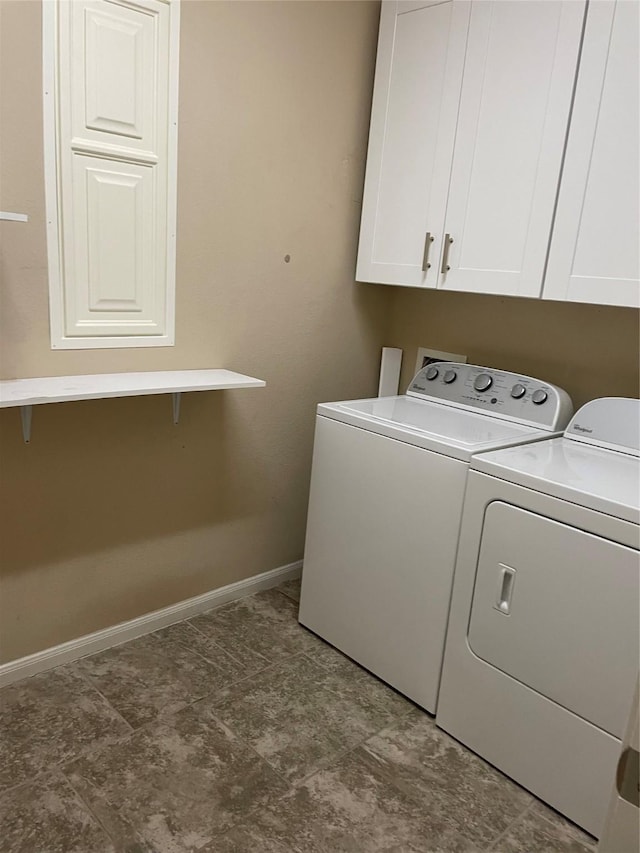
238	730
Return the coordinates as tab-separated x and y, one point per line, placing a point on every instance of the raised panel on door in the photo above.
516	96
115	252
416	93
556	608
118	79
595	246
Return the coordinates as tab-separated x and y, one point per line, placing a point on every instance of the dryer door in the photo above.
557	609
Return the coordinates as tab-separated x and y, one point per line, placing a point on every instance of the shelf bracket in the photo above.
176	408
25	417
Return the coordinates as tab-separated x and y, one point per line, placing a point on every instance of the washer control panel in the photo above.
505	395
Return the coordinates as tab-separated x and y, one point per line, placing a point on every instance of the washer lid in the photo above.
589	476
434	426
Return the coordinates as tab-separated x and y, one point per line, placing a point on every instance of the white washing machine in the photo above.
387	489
542	648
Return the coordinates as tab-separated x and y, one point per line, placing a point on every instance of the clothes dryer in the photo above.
385	504
542	647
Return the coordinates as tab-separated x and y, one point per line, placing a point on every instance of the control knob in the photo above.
518	391
450	376
432	372
538	397
483	382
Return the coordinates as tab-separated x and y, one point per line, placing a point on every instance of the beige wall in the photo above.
112	511
589	350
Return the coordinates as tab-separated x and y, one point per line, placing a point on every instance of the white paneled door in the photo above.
595	250
111	66
417	88
518	81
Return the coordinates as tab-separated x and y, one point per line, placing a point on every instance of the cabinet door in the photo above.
595	254
415	102
518	81
111	126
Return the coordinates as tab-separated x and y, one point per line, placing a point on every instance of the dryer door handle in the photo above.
507	577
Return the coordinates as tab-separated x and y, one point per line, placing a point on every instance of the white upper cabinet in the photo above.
519	74
111	126
469	119
594	255
508	132
417	89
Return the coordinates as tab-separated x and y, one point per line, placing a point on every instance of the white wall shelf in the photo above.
13	217
25	393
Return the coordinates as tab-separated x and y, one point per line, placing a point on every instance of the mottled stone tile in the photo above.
351	807
48	816
542	830
177	783
249	839
158	673
331	658
291	588
299	716
246	664
429	766
265	624
275	604
285	610
50	718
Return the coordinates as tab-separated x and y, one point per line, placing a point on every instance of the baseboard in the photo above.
100	640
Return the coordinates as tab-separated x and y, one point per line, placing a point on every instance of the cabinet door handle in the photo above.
428	240
448	240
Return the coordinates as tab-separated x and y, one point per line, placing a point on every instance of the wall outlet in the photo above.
428	356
